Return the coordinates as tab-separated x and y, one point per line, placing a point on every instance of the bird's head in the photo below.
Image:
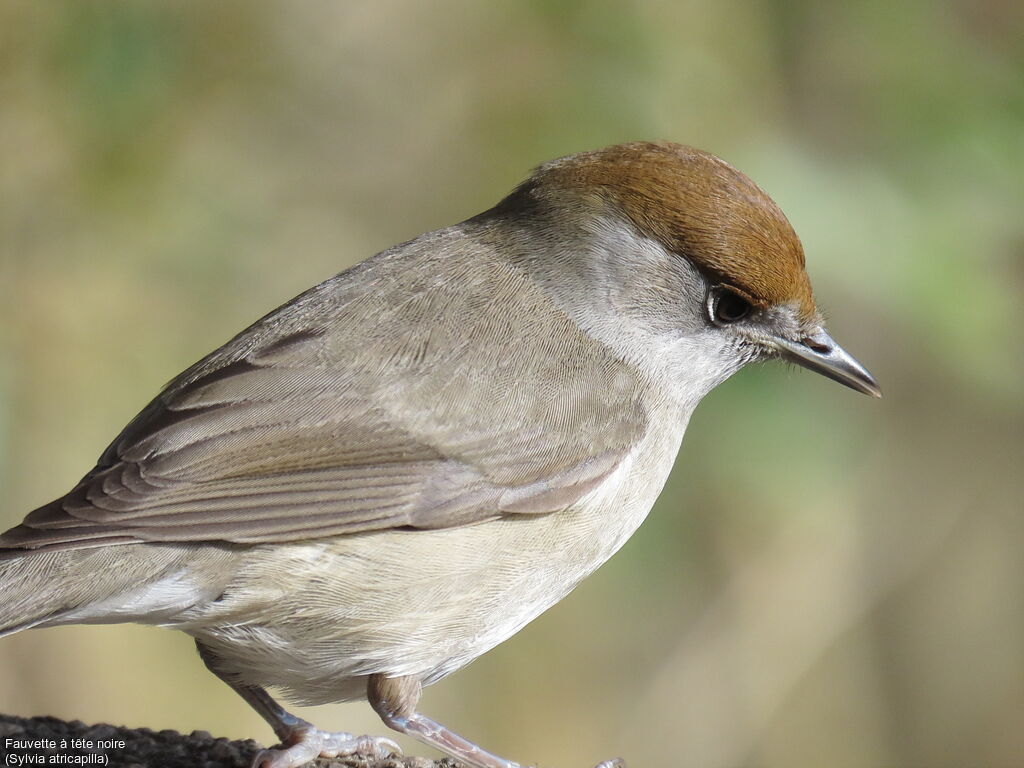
665	247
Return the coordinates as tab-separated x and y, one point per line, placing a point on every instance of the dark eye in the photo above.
727	307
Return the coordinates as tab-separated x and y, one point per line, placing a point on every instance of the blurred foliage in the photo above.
827	580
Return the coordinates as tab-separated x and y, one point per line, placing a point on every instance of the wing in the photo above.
370	402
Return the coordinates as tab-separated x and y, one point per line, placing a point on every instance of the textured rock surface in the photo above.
49	741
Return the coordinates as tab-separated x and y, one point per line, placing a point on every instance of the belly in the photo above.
316	618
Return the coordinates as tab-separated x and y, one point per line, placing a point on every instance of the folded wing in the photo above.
289	438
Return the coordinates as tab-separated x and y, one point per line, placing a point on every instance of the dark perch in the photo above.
144	748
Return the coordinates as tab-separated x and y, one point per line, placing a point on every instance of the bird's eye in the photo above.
726	307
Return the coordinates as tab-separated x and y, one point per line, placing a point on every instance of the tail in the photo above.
147	583
31	588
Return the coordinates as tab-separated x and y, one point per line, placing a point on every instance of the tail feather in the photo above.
148	583
29	589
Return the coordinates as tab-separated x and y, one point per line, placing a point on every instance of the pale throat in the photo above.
658	328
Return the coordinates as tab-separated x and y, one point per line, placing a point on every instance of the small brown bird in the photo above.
398	469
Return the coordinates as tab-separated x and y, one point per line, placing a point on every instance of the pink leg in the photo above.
301	741
395	699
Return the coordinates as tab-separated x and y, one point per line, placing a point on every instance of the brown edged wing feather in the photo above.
382	398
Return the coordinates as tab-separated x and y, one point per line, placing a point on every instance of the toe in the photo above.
377	746
345	744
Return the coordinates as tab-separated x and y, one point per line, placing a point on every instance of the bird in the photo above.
398	469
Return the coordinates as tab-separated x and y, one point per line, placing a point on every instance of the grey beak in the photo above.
821	354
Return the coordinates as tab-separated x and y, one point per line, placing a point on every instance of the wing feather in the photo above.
376	400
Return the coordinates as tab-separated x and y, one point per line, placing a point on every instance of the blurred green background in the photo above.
827	580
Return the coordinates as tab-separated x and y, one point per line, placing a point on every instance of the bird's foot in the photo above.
305	742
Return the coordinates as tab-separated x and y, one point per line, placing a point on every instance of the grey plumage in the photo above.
342	412
397	470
